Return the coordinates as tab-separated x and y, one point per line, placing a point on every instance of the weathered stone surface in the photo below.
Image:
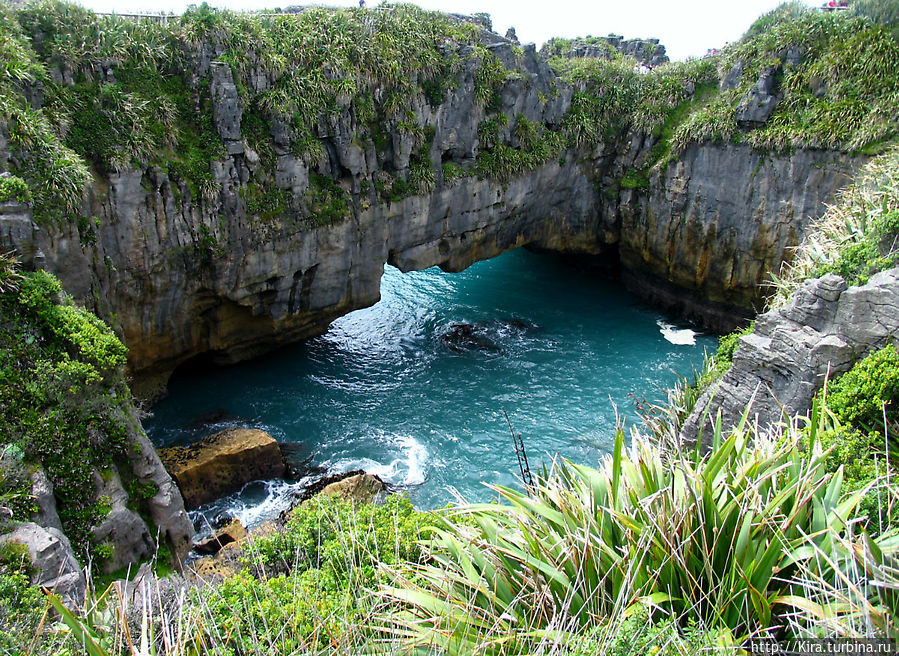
233	532
759	102
361	488
122	527
172	526
54	561
210	570
222	463
704	238
42	491
823	330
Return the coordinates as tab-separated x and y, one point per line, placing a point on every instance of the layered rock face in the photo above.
778	368
704	238
182	276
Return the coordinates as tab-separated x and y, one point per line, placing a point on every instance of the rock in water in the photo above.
233	532
222	463
462	337
361	488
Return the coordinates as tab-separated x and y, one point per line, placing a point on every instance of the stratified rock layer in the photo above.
222	463
777	369
181	277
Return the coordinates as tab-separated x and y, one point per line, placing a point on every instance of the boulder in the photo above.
54	562
360	488
222	463
759	102
233	532
211	569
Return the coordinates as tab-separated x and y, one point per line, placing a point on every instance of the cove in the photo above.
384	390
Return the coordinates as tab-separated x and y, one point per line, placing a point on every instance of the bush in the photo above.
61	395
866	394
715	539
860	400
312	576
14	189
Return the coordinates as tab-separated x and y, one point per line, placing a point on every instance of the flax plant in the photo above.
713	538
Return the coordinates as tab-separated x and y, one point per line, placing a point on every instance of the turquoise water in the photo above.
558	350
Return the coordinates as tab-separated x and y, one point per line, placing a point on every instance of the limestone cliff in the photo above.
777	369
275	244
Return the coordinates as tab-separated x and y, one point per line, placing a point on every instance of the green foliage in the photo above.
61	391
868	392
55	176
611	98
532	145
863	401
14	189
16	502
452	171
634	179
717	539
327	201
310	593
346	540
639	633
22	608
267	202
858	236
489	80
882	12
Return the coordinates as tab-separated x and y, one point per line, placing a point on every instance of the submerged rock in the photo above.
462	337
222	463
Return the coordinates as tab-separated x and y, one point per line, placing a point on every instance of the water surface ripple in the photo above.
384	391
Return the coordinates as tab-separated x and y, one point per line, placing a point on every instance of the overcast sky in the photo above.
686	27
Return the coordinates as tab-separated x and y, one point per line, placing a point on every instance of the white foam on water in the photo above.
406	470
255	503
675	335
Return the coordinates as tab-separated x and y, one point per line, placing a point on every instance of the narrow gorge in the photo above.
218	186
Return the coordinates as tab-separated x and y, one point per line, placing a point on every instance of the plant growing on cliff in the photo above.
60	390
714	538
863	440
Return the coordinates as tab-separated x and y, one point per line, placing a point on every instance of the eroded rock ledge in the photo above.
181	277
777	369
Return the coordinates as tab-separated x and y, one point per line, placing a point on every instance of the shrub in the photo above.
61	394
14	189
715	539
863	401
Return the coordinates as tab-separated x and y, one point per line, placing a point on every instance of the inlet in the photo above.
414	388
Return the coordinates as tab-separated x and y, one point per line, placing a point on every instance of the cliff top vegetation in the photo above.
85	95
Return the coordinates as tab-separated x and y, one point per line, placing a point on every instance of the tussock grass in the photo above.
857	236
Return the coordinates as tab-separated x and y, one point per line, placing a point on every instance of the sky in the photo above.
687	28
